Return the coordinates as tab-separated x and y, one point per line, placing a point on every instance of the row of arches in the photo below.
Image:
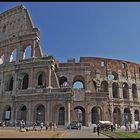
96	114
125	90
39	114
24	81
127	116
78	82
27	53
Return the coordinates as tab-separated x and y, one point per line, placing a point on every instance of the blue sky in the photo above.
93	29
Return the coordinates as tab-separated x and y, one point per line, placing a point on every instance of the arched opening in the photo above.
134	91
13	56
104	86
27	52
1	59
63	82
136	115
11	83
127	115
78	82
96	113
125	91
7	113
78	85
80	114
41	80
25	81
61	116
115	90
114	76
39	114
22	113
117	116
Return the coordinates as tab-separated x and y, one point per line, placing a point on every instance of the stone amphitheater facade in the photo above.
38	88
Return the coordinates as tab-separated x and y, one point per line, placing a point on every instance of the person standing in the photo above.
46	127
111	127
3	124
34	126
98	129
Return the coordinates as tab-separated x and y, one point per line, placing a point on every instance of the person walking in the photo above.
98	129
41	125
50	125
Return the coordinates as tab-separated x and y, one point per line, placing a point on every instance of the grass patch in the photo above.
124	134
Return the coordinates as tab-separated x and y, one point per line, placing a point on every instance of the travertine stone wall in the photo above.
42	89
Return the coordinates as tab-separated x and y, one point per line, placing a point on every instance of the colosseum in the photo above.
38	88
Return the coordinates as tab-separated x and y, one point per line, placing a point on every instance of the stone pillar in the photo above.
120	92
5	54
122	116
46	113
21	53
31	79
50	76
15	86
30	114
119	74
18	53
2	84
68	112
110	91
88	116
49	111
138	93
12	115
88	81
33	49
133	118
15	115
130	94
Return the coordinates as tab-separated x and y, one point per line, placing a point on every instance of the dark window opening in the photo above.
115	90
25	82
125	91
4	28
11	84
40	80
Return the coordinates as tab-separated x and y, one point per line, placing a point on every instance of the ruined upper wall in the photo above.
112	64
17	33
15	22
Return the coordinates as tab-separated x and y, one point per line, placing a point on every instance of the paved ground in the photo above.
86	132
12	132
60	132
